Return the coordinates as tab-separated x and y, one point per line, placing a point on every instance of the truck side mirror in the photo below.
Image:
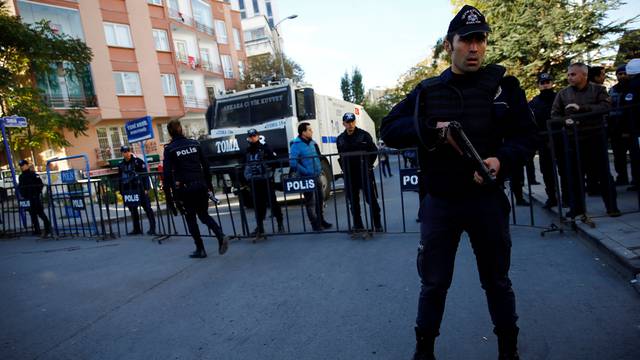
305	104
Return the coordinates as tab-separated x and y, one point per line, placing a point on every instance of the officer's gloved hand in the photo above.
180	207
172	208
213	198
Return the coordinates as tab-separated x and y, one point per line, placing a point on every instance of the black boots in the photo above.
507	343
223	244
198	254
424	346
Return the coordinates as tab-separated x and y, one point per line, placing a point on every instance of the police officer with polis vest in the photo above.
493	112
187	183
30	186
135	190
357	166
259	162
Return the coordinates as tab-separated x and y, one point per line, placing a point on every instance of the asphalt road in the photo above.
313	296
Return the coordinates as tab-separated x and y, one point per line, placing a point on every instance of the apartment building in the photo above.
160	58
258	20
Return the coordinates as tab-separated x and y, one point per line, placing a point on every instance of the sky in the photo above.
384	39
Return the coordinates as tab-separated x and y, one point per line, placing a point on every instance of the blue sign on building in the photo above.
139	129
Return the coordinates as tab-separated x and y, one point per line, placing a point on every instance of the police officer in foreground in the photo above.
357	167
30	187
187	182
135	190
493	112
258	174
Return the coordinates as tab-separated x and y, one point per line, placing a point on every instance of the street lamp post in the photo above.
279	45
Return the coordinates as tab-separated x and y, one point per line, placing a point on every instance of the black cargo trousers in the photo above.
195	200
485	218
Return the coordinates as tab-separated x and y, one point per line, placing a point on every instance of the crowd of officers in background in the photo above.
582	157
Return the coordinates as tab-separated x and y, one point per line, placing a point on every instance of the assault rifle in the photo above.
468	151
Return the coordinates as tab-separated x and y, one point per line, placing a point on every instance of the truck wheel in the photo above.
326	179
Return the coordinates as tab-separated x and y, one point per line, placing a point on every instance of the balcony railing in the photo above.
194	102
179	16
203	28
217	68
70	101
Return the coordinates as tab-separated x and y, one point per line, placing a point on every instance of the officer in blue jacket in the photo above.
187	181
493	112
304	160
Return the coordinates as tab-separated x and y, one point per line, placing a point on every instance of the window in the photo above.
163	133
169	85
241	69
243	11
256	9
110	140
188	88
155	2
62	20
221	32
117	35
161	40
227	66
127	83
181	51
201	12
236	39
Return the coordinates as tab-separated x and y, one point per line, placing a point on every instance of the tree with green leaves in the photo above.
533	36
266	67
345	87
29	53
357	87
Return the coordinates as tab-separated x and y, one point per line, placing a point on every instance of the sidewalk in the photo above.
619	237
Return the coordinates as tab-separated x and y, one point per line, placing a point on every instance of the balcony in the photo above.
107	154
194	102
70	101
203	28
180	17
217	68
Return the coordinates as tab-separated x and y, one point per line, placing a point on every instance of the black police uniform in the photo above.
495	116
619	132
30	187
541	106
187	180
631	99
132	185
358	173
257	173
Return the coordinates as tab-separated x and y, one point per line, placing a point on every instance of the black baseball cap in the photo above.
23	162
621	69
544	77
349	117
252	132
468	20
124	148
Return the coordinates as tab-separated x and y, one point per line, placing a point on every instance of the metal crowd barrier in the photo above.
97	209
579	148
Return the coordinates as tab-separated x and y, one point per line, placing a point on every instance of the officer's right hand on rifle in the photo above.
492	163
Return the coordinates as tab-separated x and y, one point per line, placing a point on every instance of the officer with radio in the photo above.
259	163
135	190
187	185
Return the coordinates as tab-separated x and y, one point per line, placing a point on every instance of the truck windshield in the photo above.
253	109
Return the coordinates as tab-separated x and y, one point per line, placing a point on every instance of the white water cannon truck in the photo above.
275	111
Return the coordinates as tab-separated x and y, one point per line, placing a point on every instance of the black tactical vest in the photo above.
471	102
